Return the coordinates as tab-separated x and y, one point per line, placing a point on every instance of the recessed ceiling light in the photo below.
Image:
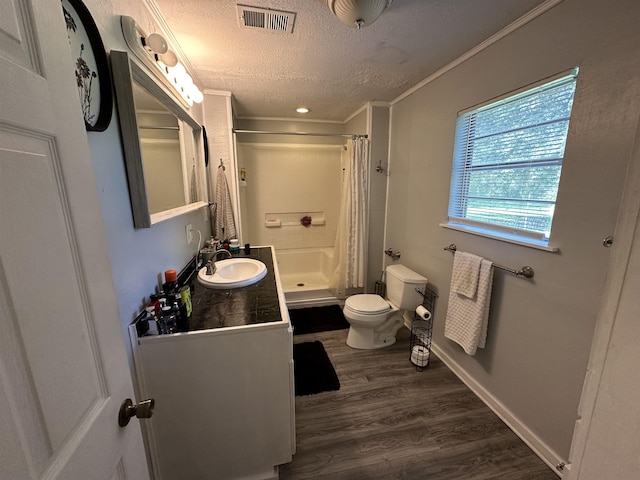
302	110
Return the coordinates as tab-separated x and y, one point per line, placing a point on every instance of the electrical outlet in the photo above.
189	229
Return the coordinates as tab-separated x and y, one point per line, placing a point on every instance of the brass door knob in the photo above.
143	409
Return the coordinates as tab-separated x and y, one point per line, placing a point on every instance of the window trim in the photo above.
503	237
494	231
551	80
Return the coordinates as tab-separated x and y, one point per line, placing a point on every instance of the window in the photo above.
507	161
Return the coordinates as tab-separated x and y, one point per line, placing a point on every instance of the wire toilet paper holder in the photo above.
422	330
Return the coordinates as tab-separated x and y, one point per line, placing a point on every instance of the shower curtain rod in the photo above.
264	132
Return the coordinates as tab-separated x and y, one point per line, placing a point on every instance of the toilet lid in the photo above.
367	304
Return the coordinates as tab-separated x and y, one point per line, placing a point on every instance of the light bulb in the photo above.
186	81
169	58
177	72
157	43
195	94
178	69
302	110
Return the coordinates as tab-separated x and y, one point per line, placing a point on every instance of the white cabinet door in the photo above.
225	402
63	369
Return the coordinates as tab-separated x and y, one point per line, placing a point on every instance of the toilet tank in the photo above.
401	287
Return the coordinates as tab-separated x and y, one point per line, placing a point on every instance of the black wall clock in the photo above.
92	76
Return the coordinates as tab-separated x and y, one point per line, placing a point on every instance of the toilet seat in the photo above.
367	304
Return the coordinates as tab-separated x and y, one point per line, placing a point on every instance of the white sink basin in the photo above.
233	273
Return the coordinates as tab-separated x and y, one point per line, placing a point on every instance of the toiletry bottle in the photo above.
152	318
170	284
142	323
154	300
180	311
185	294
168	320
162	323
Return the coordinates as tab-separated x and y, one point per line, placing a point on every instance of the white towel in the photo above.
225	227
466	270
467	318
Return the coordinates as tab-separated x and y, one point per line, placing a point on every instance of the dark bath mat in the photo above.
312	369
317	319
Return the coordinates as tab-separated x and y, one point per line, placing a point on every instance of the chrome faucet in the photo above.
211	264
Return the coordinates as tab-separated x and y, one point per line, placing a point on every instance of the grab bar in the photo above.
526	271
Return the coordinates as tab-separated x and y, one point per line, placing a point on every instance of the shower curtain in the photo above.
350	245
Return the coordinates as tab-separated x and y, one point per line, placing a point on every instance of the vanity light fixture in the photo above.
154	51
302	110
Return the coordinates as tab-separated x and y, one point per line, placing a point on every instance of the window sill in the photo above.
503	237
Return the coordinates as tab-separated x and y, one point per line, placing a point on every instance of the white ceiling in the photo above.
327	66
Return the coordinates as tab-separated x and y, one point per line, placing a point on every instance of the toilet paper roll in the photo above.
423	313
420	355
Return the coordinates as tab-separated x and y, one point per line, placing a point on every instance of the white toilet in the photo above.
374	321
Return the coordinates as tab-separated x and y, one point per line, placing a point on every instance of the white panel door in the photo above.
606	439
63	369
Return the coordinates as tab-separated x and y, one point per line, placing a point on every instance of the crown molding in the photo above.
512	27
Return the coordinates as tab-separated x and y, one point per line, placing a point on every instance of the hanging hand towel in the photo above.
466	270
225	227
467	318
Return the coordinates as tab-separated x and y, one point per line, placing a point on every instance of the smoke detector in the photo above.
266	18
358	13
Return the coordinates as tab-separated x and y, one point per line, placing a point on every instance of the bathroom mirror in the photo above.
162	145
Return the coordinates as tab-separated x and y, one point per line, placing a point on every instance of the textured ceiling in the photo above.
324	64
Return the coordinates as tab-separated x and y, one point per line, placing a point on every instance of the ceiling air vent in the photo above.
266	18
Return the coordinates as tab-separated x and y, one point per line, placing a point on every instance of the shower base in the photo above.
308	290
304	276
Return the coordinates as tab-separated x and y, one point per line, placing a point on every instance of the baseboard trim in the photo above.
539	447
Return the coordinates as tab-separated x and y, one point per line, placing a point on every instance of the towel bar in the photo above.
526	271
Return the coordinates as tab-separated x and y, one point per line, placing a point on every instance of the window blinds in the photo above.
508	157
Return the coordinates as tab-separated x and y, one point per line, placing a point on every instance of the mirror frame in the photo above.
125	72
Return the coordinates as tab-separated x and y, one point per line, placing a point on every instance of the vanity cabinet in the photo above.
224	396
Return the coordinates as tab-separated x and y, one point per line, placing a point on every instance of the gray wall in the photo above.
357	124
138	256
540	331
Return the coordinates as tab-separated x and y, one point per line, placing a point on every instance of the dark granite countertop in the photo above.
253	304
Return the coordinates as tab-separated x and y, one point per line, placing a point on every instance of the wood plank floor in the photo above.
389	421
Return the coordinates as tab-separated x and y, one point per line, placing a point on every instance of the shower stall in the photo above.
290	197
